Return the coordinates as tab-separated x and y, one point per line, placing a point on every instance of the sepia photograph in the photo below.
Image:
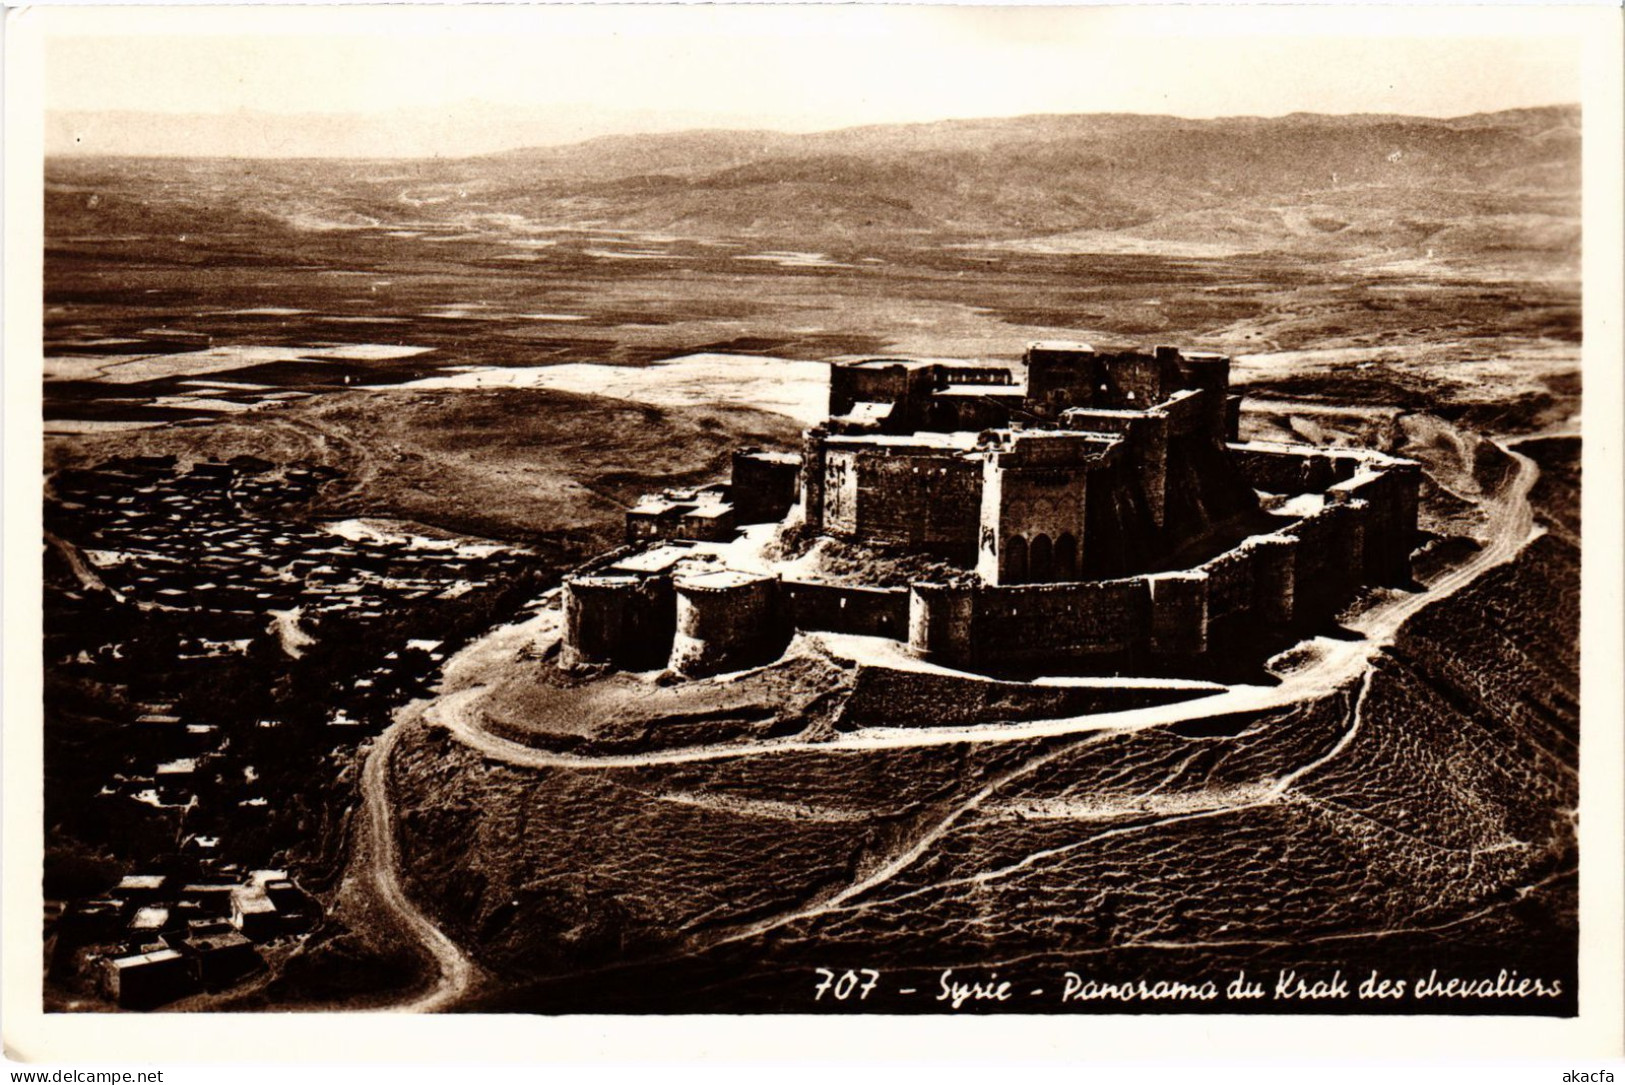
809	510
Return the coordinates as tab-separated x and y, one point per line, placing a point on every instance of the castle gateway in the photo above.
1083	512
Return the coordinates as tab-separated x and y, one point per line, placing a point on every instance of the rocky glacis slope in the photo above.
1416	822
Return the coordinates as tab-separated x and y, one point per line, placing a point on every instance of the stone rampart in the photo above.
1230	583
1179	613
1273	560
620	621
981	627
1329	559
1300	574
836	608
920	498
1392	495
1287	469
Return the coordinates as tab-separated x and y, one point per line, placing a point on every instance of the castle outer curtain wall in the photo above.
1300	574
1123	459
1297	575
1393	499
836	608
1384	492
705	625
977	627
1330	558
1286	469
1230	584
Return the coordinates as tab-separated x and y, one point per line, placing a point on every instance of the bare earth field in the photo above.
283	385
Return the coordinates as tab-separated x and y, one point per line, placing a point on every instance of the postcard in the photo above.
798	526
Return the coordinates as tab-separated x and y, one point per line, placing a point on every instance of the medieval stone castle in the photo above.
1083	512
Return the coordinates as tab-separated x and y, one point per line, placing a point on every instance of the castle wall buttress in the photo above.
840	492
1179	613
812	478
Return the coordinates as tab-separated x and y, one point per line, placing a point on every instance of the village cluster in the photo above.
167	577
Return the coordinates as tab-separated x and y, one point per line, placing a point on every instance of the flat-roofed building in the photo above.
253	913
143	980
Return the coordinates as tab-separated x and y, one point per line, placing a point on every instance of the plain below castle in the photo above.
1082	512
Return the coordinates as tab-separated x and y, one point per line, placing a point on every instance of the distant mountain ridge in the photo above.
464	128
1504	183
1061	174
1118	131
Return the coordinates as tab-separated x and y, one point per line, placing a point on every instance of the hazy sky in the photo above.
810	67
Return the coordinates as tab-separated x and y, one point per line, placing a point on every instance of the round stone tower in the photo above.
726	621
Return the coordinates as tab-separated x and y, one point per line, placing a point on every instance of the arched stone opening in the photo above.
1015	559
1041	559
1066	557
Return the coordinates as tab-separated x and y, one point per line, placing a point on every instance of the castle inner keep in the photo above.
1084	511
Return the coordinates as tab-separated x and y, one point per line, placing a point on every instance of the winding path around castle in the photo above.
376	835
1336	664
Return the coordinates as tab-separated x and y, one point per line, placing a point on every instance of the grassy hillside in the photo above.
525	465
